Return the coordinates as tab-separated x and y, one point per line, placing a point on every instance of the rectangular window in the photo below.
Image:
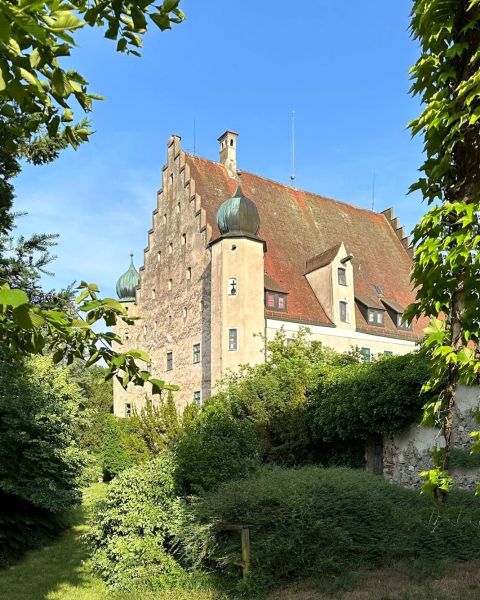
402	324
342	276
169	361
128	409
232	340
196	353
197	398
343	312
276	301
366	354
375	317
388	353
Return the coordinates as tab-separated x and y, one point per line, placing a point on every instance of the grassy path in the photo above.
57	571
60	571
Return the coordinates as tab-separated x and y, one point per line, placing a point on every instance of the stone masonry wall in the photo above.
173	299
407	454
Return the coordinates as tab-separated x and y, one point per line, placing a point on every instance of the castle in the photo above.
231	255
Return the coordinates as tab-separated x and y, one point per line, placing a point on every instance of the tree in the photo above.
36	91
36	122
446	269
41	463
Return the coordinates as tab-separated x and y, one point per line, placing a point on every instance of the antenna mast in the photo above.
292	176
373	192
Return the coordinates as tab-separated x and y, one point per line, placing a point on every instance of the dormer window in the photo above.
342	276
376	317
232	286
396	312
372	311
276	301
402	324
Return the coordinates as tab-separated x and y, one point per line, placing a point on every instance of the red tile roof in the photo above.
322	260
298	225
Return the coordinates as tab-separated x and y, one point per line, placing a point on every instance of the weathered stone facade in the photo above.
173	299
407	454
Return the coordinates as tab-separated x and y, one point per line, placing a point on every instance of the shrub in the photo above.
381	397
273	396
157	423
41	464
312	520
121	447
214	448
131	530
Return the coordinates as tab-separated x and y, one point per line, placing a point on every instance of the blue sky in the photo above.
342	65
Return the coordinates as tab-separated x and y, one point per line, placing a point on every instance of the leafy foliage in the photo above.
36	90
312	520
215	448
131	530
157	423
41	464
447	261
273	395
380	397
26	328
120	446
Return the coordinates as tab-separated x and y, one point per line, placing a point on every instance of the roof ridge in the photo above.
289	187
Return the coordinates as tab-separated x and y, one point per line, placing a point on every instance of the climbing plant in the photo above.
446	270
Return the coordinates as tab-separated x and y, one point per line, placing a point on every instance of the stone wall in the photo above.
173	299
407	454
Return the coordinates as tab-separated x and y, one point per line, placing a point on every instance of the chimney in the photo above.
228	152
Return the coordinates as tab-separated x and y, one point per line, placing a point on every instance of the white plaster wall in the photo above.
341	339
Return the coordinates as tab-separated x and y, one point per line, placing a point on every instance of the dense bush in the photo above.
41	463
157	423
132	529
214	448
120	447
380	397
273	396
312	520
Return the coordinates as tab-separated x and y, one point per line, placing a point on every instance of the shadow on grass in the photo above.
58	570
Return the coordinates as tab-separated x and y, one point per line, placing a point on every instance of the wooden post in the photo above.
245	537
245	551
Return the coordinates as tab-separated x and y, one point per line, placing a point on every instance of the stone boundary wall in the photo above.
407	454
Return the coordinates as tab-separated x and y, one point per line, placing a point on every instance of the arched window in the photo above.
232	286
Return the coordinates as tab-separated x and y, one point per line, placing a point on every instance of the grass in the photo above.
417	580
60	572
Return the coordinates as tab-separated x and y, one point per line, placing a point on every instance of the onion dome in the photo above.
127	283
238	216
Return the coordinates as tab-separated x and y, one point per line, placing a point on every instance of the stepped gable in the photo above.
298	225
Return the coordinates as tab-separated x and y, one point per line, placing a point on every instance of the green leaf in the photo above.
140	355
65	20
12	298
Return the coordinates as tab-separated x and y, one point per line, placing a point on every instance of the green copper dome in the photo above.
128	282
238	216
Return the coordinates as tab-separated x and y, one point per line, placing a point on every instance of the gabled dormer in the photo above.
396	313
330	275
